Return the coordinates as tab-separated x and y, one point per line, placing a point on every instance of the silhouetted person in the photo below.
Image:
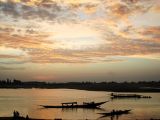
15	115
27	117
113	111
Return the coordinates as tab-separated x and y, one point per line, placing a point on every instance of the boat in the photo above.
75	105
114	95
116	112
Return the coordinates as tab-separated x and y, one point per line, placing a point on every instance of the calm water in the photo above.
26	101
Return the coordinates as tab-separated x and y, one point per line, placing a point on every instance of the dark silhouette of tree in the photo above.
142	86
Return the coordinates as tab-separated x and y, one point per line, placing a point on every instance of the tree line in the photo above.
141	86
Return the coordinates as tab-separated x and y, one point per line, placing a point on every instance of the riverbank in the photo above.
23	118
153	86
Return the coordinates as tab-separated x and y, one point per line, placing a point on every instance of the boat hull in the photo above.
95	105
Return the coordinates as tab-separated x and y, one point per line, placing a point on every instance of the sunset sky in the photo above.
80	40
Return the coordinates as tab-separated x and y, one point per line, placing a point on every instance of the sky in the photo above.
80	40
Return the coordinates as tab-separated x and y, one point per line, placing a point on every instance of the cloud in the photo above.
51	10
8	56
11	68
49	31
7	59
123	9
140	44
22	42
156	8
44	10
6	29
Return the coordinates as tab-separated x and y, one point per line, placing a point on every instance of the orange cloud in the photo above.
106	22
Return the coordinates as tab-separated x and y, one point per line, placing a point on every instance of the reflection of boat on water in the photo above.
114	95
75	105
115	112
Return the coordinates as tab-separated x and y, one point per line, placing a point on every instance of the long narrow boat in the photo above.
75	105
117	112
114	95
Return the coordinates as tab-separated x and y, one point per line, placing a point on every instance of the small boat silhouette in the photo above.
114	95
75	105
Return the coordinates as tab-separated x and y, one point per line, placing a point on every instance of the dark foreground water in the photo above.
27	101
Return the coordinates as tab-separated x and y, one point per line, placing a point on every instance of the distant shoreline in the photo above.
21	118
143	86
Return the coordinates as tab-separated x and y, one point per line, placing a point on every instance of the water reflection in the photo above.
114	117
27	101
110	117
84	109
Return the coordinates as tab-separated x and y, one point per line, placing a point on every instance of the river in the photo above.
27	102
